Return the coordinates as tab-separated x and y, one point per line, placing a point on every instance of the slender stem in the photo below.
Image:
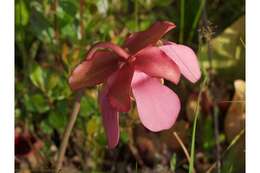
182	18
182	146
196	20
67	132
191	165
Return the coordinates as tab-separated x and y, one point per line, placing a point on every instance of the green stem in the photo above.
196	20
191	165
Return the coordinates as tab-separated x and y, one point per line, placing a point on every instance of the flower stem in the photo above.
192	153
67	132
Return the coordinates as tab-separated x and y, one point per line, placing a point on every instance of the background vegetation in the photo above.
52	36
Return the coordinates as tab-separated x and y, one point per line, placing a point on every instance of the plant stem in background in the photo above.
182	18
191	164
196	19
182	146
67	132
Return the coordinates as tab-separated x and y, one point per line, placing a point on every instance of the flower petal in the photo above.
185	58
139	40
154	62
157	105
110	118
94	71
99	64
122	54
119	92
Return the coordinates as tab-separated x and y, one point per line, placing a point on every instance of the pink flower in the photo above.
136	69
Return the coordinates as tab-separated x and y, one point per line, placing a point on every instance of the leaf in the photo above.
41	27
40	104
58	118
173	162
36	103
46	128
21	13
88	106
59	90
69	7
37	76
53	81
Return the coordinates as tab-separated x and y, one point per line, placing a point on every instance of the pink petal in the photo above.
157	105
94	71
154	62
185	58
139	40
119	92
110	119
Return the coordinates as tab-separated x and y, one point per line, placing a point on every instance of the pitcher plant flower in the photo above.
136	70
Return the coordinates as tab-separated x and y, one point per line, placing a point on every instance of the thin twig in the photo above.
67	132
182	146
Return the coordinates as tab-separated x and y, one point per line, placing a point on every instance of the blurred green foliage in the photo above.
52	36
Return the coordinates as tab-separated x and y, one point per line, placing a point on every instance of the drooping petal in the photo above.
101	61
94	71
154	62
157	105
110	118
185	58
139	40
119	92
